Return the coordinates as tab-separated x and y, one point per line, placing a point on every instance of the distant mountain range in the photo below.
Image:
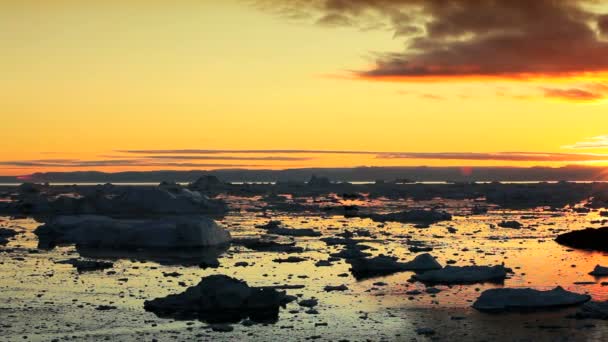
428	174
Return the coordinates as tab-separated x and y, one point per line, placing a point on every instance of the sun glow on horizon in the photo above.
128	75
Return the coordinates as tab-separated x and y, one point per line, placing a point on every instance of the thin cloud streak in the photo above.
500	156
496	156
196	151
583	93
50	163
174	160
270	158
591	143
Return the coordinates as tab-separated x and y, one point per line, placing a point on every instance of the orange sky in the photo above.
83	81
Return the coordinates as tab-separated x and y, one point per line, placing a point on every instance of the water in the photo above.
44	300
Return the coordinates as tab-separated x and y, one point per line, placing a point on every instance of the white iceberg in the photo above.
103	231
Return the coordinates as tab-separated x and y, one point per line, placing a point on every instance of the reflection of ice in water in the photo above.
176	257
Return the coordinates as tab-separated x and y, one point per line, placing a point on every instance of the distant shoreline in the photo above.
14	184
358	174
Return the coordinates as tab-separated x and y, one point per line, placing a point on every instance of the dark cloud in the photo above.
602	25
334	19
479	38
590	92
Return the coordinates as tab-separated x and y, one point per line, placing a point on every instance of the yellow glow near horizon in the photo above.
83	79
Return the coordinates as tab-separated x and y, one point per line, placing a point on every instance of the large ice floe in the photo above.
219	298
107	232
526	299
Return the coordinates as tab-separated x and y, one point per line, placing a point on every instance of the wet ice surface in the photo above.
44	300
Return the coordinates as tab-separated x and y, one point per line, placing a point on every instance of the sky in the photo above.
147	85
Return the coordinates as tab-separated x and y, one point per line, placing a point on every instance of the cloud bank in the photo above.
471	38
497	156
166	159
